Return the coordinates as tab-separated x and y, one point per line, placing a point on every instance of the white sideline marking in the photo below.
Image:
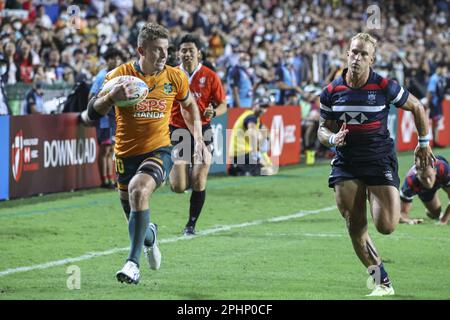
91	255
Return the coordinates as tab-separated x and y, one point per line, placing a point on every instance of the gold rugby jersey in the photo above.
144	127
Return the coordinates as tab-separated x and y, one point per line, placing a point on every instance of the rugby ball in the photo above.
139	90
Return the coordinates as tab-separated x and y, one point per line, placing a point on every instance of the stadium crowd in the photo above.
293	47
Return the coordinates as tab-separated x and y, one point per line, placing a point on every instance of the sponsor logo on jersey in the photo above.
340	100
168	88
353	117
150	109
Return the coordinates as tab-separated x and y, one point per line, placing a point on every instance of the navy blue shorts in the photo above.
176	137
157	164
372	173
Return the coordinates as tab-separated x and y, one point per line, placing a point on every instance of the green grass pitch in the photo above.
277	237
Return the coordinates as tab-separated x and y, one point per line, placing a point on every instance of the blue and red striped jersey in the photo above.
365	111
412	186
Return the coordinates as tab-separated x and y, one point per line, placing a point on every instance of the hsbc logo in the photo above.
24	155
277	135
408	127
353	117
280	134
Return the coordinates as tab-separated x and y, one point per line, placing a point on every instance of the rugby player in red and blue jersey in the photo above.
354	110
425	183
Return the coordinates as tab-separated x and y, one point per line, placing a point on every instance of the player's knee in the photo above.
198	186
385	228
138	195
178	183
177	187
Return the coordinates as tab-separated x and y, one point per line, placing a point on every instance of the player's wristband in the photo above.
424	142
331	140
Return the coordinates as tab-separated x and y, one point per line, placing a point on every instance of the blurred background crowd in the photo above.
286	49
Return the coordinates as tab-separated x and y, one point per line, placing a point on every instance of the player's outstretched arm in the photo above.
326	135
404	211
423	154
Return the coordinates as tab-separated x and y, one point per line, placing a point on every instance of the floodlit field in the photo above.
278	237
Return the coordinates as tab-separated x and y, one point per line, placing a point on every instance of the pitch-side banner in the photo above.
51	153
407	133
284	124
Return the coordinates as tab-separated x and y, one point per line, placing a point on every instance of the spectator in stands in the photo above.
34	100
287	80
68	75
240	83
26	59
54	68
47	42
217	42
105	126
42	19
90	32
79	64
435	97
9	50
4	107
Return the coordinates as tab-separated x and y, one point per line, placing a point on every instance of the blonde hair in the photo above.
150	32
366	38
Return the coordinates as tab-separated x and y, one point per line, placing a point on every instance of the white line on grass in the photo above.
91	255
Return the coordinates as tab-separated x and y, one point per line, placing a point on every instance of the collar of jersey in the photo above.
193	73
137	67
